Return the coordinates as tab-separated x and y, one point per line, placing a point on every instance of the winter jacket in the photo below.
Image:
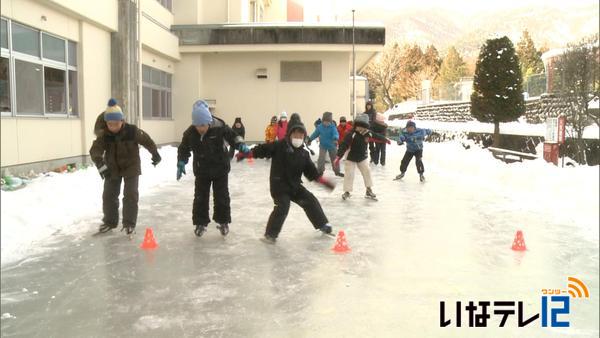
379	128
240	131
328	136
287	166
99	125
343	130
271	133
281	129
120	152
211	158
358	145
414	141
371	113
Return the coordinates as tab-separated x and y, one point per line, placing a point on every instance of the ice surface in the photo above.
447	239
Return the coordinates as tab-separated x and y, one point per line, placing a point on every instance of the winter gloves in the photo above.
104	172
180	169
156	159
326	182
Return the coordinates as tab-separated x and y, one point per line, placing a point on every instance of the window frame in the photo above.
13	55
164	78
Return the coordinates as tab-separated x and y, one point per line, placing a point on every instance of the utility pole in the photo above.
353	72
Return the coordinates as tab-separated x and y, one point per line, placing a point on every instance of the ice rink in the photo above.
448	239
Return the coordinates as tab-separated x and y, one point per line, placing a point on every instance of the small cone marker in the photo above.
341	245
519	242
149	243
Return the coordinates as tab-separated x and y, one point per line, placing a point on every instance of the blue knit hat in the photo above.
411	124
200	113
113	112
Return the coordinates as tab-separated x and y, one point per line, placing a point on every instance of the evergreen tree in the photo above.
453	67
497	87
529	57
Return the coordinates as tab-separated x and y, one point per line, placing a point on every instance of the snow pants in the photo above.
378	153
321	161
418	161
305	199
110	200
222	209
363	167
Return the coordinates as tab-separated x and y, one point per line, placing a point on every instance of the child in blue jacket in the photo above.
328	136
413	137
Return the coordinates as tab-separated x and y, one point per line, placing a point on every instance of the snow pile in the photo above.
66	203
511	128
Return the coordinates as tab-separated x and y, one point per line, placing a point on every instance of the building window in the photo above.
166	4
4	85
53	48
55	88
301	71
43	69
156	93
29	87
73	103
25	40
4	34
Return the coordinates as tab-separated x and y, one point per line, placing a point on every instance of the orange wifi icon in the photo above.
577	289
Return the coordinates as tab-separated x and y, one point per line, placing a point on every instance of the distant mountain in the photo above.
549	26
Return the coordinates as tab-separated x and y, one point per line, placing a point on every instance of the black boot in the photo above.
200	230
129	229
224	228
106	228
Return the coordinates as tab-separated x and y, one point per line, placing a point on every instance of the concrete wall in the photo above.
187	88
276	12
229	78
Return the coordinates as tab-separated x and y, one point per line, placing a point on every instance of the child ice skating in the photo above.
117	156
328	136
205	138
271	131
281	127
343	128
413	137
239	129
379	127
289	160
354	148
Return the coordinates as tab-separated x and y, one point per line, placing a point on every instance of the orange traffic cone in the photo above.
341	245
519	242
149	243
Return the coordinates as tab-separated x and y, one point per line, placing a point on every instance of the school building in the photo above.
61	60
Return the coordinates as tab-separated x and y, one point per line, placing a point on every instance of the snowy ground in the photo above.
446	240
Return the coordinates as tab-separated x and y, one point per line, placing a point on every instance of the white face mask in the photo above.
297	142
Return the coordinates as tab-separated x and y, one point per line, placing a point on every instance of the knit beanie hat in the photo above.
361	120
113	112
273	119
411	124
342	119
283	115
238	120
294	124
200	114
327	116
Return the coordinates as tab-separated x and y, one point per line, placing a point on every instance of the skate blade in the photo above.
371	198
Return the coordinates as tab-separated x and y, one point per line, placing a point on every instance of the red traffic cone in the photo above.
519	242
341	245
149	243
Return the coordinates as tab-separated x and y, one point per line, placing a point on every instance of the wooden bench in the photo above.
510	156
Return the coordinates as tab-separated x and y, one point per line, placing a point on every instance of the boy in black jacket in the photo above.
289	161
355	146
206	139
